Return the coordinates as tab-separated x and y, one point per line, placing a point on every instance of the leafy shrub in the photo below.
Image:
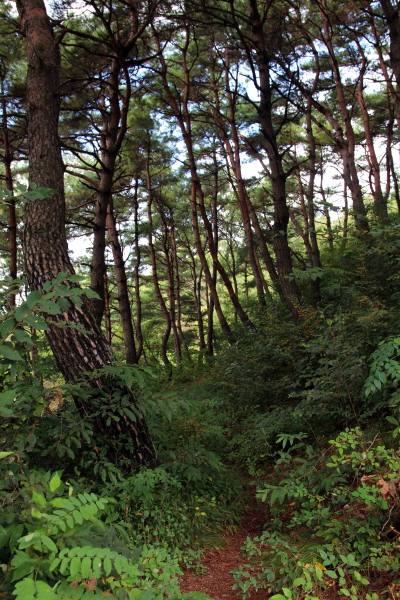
55	543
343	507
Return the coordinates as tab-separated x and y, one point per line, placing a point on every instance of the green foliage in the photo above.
56	542
343	505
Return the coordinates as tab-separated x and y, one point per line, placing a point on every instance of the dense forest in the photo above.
200	279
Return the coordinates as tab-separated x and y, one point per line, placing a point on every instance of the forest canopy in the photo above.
199	261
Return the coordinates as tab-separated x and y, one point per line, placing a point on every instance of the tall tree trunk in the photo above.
12	218
156	283
240	191
136	274
107	311
45	245
277	174
124	303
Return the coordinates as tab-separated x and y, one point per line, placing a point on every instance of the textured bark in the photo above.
45	245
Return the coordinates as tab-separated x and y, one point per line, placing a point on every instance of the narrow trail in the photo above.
217	581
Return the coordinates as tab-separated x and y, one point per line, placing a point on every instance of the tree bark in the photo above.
45	244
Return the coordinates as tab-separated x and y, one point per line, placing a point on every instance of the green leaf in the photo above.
75	566
33	298
39	499
97	567
45	592
22	336
78	517
5	454
299	581
70	522
9	353
26	587
55	482
22	311
50	307
7	397
54	564
46	541
86	567
39	194
20	572
6	327
37	323
331	574
107	566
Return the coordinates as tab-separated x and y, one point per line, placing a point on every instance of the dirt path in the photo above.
217	582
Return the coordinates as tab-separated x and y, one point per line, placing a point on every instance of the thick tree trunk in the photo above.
45	245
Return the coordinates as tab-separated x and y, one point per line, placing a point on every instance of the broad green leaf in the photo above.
26	587
9	354
37	323
22	311
6	327
107	566
22	336
54	564
33	298
45	592
331	574
39	499
70	522
86	567
78	517
55	482
39	194
5	454
46	541
75	566
97	566
7	397
50	307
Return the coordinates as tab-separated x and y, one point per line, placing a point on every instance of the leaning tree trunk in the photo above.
45	244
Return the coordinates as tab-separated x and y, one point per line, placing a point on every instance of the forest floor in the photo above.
217	579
